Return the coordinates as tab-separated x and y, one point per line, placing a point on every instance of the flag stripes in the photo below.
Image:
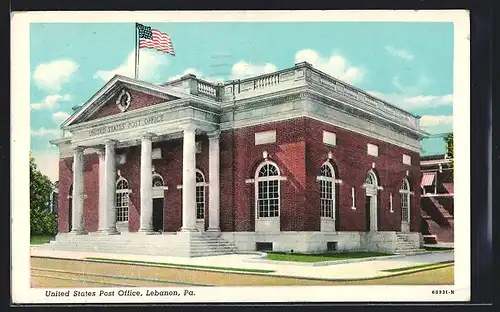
159	41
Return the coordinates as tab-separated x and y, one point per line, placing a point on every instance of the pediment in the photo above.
119	95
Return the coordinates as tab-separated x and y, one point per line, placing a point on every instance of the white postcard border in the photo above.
20	143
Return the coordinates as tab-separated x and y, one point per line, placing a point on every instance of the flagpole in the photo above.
136	54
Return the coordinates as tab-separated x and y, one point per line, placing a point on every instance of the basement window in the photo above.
264	246
331	246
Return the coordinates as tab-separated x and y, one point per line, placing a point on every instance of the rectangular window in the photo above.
121	206
372	149
353	198
329	138
268	199
265	137
326	197
331	246
264	246
406	159
405	206
200	202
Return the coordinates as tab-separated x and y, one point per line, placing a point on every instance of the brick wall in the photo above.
352	162
299	152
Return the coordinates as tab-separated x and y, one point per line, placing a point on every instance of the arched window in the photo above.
200	195
157	180
371	178
405	192
267	191
327	190
122	202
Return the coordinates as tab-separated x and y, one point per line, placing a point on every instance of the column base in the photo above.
214	232
147	231
77	232
189	229
109	231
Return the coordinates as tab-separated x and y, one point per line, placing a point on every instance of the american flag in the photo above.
154	39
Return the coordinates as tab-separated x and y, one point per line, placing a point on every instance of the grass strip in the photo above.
323	257
191	266
422	266
434	249
42	239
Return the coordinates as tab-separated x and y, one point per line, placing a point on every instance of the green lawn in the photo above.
422	266
323	257
185	266
37	240
433	249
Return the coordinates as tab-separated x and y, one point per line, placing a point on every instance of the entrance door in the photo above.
158	214
367	212
70	215
371	213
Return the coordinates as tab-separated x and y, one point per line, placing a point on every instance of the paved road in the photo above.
355	270
70	273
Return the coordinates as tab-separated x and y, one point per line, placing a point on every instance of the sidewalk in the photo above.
343	271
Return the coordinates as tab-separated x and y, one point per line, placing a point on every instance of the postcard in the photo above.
245	156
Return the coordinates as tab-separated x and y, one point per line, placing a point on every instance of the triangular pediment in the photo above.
119	95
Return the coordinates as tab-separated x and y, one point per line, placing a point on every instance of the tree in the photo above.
448	139
42	219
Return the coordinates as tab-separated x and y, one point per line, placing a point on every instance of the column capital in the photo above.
148	135
110	142
189	127
100	150
214	135
79	149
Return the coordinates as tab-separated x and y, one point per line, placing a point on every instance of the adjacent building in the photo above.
437	202
294	160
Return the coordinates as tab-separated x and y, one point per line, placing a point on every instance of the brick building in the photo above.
291	160
437	199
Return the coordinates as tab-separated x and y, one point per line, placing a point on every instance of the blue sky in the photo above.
408	64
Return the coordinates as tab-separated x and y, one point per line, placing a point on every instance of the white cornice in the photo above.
165	107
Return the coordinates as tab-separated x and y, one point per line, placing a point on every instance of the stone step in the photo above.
196	244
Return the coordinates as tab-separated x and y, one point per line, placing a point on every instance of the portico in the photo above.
108	176
177	118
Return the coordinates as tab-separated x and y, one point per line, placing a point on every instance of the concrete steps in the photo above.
406	247
186	244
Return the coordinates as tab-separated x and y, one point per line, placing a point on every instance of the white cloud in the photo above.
50	101
411	103
53	75
401	53
59	117
335	65
150	62
45	132
436	124
414	89
47	161
244	69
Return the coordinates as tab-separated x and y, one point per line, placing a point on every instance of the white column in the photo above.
77	214
110	182
189	180
102	191
146	224
214	182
